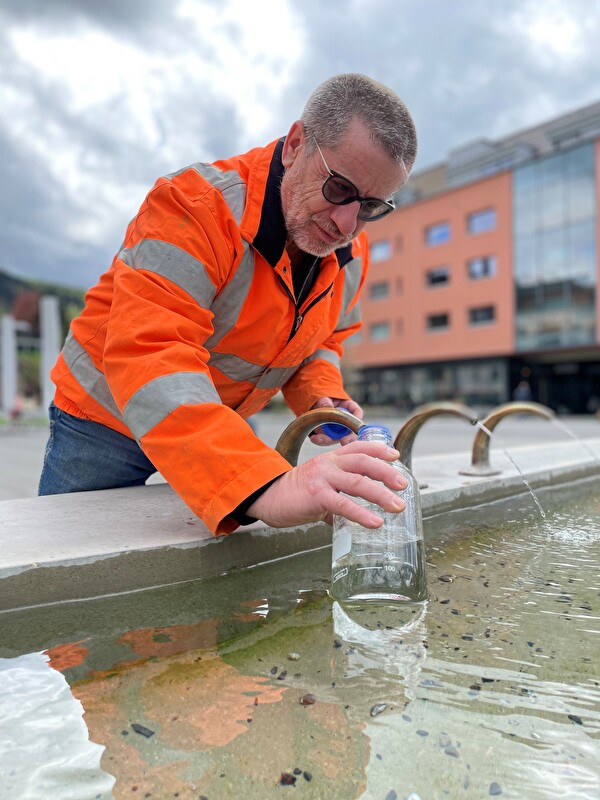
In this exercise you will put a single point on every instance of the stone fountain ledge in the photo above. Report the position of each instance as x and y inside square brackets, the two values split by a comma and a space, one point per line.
[91, 544]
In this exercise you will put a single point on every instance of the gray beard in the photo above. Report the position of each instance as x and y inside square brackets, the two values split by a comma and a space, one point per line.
[310, 244]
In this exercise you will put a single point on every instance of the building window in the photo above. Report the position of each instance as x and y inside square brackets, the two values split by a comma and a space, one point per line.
[437, 276]
[483, 267]
[438, 322]
[399, 327]
[437, 234]
[379, 291]
[381, 250]
[379, 331]
[482, 221]
[482, 315]
[555, 250]
[399, 286]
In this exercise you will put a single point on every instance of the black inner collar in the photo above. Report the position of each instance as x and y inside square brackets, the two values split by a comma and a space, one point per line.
[271, 235]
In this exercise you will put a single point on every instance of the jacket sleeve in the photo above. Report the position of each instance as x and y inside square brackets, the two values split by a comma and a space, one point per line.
[179, 251]
[320, 374]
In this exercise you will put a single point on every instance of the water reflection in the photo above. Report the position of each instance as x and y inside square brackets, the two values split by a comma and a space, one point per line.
[386, 644]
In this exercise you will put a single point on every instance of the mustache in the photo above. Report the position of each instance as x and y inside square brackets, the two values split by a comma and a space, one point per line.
[334, 231]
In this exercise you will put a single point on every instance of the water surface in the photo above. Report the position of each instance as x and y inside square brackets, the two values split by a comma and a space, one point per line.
[224, 688]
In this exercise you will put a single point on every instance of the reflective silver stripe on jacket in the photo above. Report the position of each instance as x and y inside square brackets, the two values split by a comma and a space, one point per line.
[173, 263]
[177, 265]
[151, 403]
[87, 376]
[227, 305]
[238, 369]
[154, 401]
[189, 273]
[352, 275]
[159, 397]
[229, 183]
[324, 355]
[275, 378]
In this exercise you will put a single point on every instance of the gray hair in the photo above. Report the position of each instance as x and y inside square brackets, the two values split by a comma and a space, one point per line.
[342, 98]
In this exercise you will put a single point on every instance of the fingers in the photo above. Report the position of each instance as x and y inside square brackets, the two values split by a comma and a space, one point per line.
[355, 512]
[375, 449]
[317, 436]
[366, 479]
[324, 402]
[358, 475]
[351, 437]
[321, 439]
[326, 484]
[350, 406]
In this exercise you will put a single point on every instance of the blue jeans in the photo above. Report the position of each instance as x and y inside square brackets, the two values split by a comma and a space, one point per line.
[82, 456]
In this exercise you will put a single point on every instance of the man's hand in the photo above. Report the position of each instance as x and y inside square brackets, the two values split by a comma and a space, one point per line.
[313, 490]
[318, 437]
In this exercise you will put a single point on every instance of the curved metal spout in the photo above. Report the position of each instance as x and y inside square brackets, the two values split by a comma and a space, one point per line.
[291, 440]
[480, 457]
[406, 436]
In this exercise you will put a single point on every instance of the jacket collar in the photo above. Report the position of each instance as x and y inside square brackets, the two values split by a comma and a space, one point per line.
[271, 234]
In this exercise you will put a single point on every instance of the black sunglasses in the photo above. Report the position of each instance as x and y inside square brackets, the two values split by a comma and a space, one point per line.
[340, 191]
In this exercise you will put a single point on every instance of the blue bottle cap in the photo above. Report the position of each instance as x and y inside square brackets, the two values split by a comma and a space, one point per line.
[334, 430]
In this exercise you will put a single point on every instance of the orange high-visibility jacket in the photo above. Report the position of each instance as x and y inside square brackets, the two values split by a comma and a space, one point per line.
[195, 327]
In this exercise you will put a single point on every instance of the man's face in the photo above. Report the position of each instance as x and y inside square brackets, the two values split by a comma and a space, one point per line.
[315, 225]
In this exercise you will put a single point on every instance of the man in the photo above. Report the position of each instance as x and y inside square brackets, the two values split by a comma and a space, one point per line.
[235, 280]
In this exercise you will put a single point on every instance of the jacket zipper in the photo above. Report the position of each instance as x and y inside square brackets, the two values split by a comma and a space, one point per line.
[298, 317]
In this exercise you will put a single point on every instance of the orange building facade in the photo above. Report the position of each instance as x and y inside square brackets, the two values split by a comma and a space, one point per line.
[486, 277]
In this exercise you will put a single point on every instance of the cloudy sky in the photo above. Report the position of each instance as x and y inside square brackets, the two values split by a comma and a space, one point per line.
[100, 97]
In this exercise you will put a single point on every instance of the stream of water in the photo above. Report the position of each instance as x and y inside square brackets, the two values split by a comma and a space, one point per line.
[516, 466]
[563, 427]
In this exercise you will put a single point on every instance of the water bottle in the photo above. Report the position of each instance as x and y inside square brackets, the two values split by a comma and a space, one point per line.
[386, 564]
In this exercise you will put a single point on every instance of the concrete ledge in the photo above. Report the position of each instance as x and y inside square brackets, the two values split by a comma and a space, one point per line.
[89, 544]
[69, 547]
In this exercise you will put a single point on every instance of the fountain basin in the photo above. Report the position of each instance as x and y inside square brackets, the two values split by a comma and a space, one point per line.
[69, 547]
[240, 684]
[218, 667]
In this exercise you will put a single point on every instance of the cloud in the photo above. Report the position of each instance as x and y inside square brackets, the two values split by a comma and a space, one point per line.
[133, 18]
[100, 98]
[96, 116]
[466, 69]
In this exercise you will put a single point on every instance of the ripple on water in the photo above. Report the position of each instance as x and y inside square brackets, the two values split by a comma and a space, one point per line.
[527, 670]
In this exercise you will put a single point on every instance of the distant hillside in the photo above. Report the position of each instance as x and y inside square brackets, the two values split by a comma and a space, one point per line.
[18, 296]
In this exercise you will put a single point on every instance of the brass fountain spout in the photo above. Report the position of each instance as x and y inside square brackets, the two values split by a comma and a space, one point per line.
[406, 436]
[291, 440]
[480, 458]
